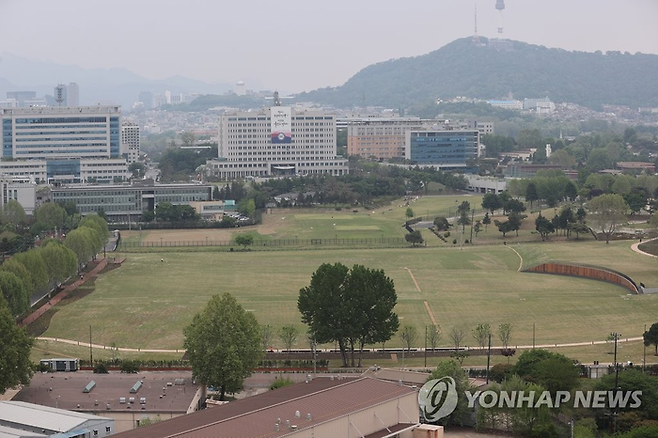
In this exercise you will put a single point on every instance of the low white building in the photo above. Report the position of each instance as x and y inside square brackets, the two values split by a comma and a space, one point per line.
[27, 420]
[22, 191]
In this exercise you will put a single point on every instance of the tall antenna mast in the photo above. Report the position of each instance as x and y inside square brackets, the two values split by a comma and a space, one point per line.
[476, 38]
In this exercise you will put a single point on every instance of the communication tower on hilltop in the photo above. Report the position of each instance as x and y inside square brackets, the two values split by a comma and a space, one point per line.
[500, 6]
[476, 38]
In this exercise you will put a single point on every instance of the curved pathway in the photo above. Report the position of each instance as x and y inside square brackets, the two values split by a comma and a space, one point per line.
[148, 350]
[635, 247]
[520, 258]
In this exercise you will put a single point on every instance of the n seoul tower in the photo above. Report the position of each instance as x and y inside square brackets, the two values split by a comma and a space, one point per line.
[500, 5]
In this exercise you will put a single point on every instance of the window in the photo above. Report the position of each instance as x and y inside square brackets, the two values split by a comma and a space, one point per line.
[95, 432]
[108, 429]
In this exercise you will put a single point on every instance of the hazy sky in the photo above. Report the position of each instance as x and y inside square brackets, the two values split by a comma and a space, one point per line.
[297, 45]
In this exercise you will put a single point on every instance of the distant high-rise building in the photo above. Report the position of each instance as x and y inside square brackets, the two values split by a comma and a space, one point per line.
[73, 94]
[60, 95]
[240, 89]
[130, 141]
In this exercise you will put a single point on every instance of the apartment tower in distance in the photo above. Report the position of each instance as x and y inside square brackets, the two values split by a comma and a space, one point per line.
[130, 141]
[277, 141]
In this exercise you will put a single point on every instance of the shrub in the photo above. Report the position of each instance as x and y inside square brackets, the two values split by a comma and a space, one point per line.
[280, 382]
[129, 367]
[100, 368]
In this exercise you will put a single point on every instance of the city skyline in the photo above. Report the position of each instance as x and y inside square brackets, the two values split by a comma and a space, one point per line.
[298, 46]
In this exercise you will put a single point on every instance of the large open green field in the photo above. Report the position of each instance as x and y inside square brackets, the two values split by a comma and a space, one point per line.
[147, 302]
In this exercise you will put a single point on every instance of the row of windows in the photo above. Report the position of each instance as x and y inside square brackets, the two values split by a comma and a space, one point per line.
[20, 139]
[85, 132]
[50, 120]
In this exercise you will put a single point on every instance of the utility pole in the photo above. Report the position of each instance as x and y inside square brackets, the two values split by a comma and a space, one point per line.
[472, 221]
[488, 358]
[91, 354]
[425, 346]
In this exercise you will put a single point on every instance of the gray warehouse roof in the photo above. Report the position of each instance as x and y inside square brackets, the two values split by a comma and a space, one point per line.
[42, 417]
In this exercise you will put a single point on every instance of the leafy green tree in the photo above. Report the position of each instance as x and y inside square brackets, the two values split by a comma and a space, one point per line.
[441, 223]
[651, 337]
[61, 262]
[94, 221]
[464, 212]
[18, 269]
[244, 240]
[486, 220]
[223, 344]
[80, 242]
[409, 213]
[409, 335]
[247, 207]
[15, 346]
[50, 216]
[504, 227]
[36, 267]
[544, 227]
[481, 334]
[531, 193]
[15, 293]
[606, 212]
[452, 368]
[14, 213]
[634, 380]
[415, 238]
[288, 335]
[477, 228]
[491, 202]
[505, 334]
[266, 336]
[553, 371]
[351, 307]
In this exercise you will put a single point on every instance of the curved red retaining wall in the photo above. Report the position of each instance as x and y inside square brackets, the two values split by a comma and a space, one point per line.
[586, 272]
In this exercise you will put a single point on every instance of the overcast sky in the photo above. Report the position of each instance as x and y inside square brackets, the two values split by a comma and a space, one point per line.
[298, 45]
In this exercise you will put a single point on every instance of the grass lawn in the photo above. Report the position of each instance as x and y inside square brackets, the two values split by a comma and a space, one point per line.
[146, 303]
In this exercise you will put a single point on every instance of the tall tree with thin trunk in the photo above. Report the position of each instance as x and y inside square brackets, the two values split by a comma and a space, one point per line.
[606, 212]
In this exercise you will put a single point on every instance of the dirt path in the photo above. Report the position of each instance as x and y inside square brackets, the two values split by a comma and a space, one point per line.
[64, 293]
[636, 245]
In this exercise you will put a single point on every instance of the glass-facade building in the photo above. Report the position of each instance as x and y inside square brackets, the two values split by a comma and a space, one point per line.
[63, 137]
[443, 148]
[123, 203]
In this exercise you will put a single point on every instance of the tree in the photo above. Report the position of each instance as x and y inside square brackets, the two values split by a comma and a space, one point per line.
[415, 238]
[96, 222]
[15, 346]
[244, 240]
[247, 207]
[606, 212]
[80, 242]
[441, 223]
[61, 262]
[531, 193]
[481, 334]
[486, 220]
[504, 227]
[223, 344]
[477, 228]
[288, 335]
[464, 218]
[491, 202]
[515, 219]
[18, 269]
[352, 307]
[544, 227]
[553, 371]
[409, 335]
[14, 213]
[36, 267]
[266, 336]
[50, 216]
[434, 336]
[451, 368]
[651, 337]
[505, 334]
[409, 213]
[15, 293]
[457, 335]
[634, 380]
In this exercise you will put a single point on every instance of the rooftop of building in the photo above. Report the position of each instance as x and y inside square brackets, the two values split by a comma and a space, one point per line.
[164, 391]
[42, 417]
[47, 110]
[322, 398]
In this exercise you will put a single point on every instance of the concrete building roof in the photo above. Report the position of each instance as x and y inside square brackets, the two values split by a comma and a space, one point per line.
[64, 390]
[8, 432]
[323, 398]
[41, 417]
[407, 377]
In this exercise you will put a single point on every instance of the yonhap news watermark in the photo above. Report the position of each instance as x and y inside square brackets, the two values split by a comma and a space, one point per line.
[438, 398]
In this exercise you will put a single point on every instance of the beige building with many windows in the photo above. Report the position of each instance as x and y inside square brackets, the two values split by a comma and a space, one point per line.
[253, 144]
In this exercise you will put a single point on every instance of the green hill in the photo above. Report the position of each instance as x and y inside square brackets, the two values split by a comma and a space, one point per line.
[485, 71]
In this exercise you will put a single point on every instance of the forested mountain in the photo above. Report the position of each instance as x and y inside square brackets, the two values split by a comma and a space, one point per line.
[487, 71]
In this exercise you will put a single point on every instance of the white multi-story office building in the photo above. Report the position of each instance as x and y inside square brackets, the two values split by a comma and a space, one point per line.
[130, 141]
[73, 94]
[277, 141]
[59, 143]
